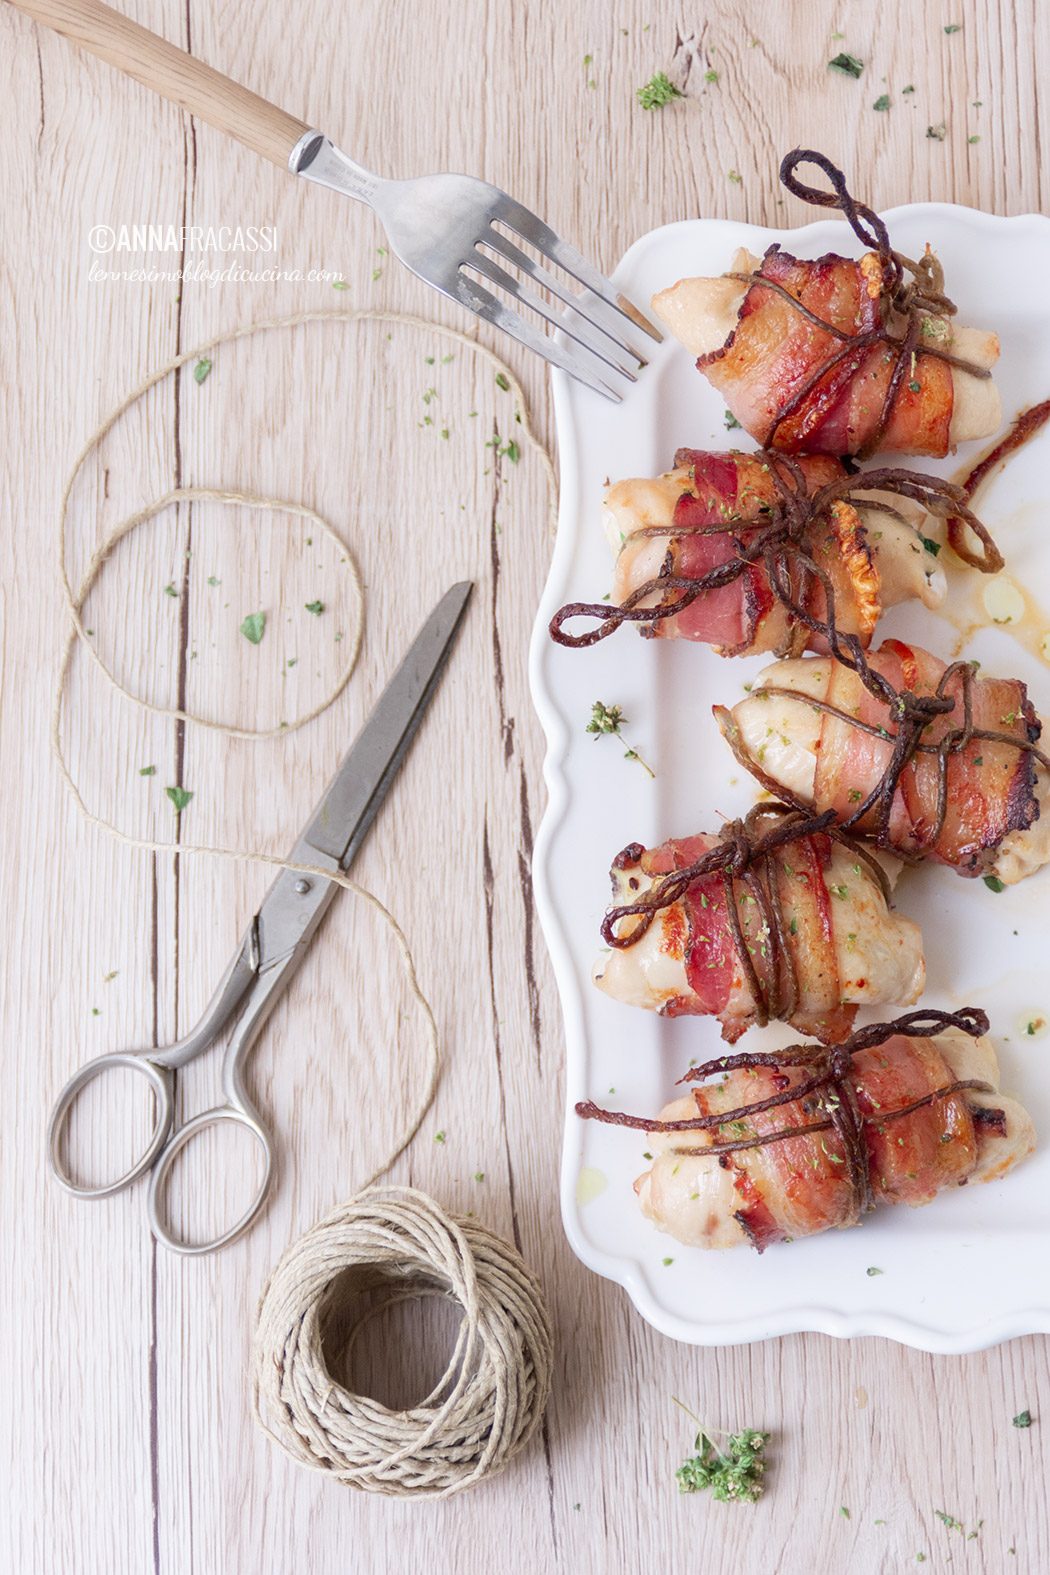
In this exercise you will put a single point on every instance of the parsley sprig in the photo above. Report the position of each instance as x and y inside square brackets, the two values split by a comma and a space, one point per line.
[658, 91]
[610, 719]
[733, 1474]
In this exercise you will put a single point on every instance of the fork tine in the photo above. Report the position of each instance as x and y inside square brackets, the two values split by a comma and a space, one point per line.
[596, 310]
[541, 236]
[583, 332]
[485, 305]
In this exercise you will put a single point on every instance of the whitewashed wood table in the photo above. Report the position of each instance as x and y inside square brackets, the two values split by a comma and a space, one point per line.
[128, 1444]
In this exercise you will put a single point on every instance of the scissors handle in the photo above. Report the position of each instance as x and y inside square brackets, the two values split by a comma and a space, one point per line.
[157, 1067]
[162, 1083]
[241, 1114]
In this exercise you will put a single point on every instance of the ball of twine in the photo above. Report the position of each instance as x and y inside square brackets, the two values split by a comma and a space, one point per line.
[489, 1400]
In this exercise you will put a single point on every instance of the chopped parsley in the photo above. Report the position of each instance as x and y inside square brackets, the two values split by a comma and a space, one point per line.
[667, 1262]
[169, 590]
[711, 75]
[610, 719]
[871, 1273]
[317, 608]
[439, 1137]
[147, 771]
[253, 626]
[201, 370]
[952, 1523]
[1023, 1419]
[180, 797]
[844, 1512]
[994, 883]
[909, 89]
[731, 421]
[509, 450]
[213, 580]
[735, 177]
[953, 27]
[938, 132]
[882, 102]
[973, 139]
[502, 382]
[658, 91]
[931, 546]
[849, 65]
[479, 1175]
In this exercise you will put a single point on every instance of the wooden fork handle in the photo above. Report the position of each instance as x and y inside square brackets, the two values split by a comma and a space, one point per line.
[172, 73]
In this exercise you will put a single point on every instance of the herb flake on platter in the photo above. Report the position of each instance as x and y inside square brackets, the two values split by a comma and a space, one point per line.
[607, 720]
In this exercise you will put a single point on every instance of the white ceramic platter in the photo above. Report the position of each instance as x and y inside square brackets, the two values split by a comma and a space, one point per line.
[974, 1267]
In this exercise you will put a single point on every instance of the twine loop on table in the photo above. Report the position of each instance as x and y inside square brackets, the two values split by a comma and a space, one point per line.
[76, 637]
[488, 1402]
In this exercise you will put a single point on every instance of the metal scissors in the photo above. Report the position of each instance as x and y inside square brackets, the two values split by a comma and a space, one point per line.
[272, 948]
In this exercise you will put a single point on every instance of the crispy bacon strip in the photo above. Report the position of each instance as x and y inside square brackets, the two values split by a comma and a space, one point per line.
[794, 1142]
[958, 816]
[749, 915]
[833, 389]
[766, 552]
[744, 615]
[1026, 424]
[927, 760]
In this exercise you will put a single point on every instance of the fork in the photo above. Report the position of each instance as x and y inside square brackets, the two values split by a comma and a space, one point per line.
[461, 235]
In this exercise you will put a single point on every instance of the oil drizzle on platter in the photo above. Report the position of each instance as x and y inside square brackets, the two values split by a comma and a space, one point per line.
[976, 601]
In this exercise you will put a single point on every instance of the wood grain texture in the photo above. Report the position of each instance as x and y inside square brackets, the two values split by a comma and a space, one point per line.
[188, 82]
[127, 1444]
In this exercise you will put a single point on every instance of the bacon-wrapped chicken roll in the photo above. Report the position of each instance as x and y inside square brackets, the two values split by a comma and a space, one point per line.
[833, 355]
[875, 558]
[796, 1142]
[940, 765]
[760, 551]
[806, 937]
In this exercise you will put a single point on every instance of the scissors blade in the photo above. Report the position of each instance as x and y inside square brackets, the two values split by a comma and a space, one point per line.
[352, 800]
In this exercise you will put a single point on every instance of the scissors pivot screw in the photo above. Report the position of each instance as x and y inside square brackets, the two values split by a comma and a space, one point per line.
[302, 886]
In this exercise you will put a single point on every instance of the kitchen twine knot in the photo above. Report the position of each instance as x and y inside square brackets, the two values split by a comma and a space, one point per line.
[492, 1395]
